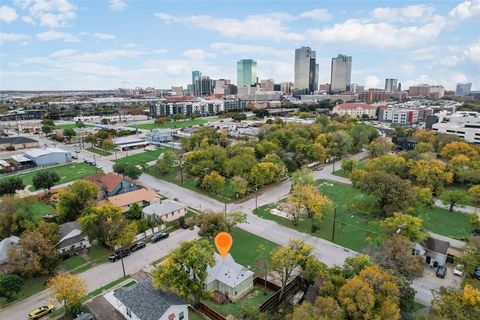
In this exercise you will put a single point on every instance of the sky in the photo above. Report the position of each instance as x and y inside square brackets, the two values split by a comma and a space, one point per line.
[108, 44]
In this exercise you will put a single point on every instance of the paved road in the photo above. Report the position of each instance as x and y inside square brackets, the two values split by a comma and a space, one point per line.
[105, 273]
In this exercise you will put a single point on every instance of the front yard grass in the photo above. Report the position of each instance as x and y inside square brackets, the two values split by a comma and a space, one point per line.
[253, 299]
[146, 156]
[30, 287]
[341, 173]
[67, 173]
[171, 124]
[99, 151]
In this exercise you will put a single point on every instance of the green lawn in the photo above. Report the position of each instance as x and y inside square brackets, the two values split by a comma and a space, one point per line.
[72, 263]
[67, 173]
[171, 124]
[254, 298]
[99, 151]
[38, 209]
[193, 316]
[30, 287]
[451, 224]
[341, 173]
[146, 156]
[77, 264]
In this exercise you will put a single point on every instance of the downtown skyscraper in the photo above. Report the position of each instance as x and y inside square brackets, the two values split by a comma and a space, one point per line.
[306, 71]
[341, 73]
[246, 73]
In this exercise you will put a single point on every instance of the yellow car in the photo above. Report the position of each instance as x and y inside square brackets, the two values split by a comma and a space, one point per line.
[41, 311]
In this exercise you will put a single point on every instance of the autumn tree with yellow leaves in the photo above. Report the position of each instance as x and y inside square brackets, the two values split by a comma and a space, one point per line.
[68, 290]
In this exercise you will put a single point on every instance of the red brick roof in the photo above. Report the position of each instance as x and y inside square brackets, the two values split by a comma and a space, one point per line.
[351, 106]
[107, 181]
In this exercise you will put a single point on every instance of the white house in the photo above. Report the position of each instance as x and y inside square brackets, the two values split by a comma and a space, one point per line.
[165, 210]
[144, 302]
[71, 238]
[229, 278]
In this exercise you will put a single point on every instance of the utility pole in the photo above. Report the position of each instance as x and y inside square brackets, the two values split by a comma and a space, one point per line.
[334, 217]
[123, 265]
[256, 199]
[225, 206]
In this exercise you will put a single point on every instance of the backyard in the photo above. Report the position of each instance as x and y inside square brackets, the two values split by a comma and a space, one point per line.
[170, 124]
[67, 173]
[144, 157]
[354, 229]
[38, 209]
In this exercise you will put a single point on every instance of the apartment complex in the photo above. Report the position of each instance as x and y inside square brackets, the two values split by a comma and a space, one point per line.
[355, 110]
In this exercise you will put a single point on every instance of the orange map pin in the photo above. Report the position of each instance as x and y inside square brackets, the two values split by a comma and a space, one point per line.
[223, 242]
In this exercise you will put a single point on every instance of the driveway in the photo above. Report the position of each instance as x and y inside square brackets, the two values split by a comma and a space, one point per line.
[106, 273]
[429, 285]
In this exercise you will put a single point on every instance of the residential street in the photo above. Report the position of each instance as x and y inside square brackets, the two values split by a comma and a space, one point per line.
[105, 273]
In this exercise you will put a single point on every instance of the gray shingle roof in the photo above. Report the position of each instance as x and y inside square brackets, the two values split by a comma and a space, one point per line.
[16, 140]
[147, 302]
[162, 208]
[66, 228]
[437, 245]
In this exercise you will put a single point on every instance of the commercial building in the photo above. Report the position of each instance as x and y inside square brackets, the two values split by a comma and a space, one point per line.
[406, 117]
[426, 91]
[48, 156]
[157, 136]
[464, 124]
[188, 106]
[355, 110]
[391, 85]
[129, 142]
[374, 95]
[306, 69]
[204, 86]
[463, 89]
[341, 73]
[286, 87]
[246, 73]
[332, 97]
[18, 115]
[15, 143]
[267, 85]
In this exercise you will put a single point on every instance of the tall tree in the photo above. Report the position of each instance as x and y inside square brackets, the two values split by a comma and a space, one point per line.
[239, 186]
[132, 172]
[185, 269]
[45, 179]
[68, 290]
[474, 195]
[457, 148]
[11, 185]
[210, 223]
[166, 163]
[457, 304]
[233, 219]
[380, 146]
[69, 133]
[424, 136]
[72, 201]
[430, 173]
[454, 198]
[15, 215]
[340, 144]
[405, 225]
[10, 286]
[348, 165]
[213, 182]
[303, 176]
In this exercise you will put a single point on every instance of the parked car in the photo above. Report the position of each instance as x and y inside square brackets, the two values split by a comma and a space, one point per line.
[87, 161]
[137, 246]
[159, 236]
[74, 157]
[118, 255]
[441, 272]
[476, 273]
[99, 166]
[41, 311]
[84, 316]
[458, 270]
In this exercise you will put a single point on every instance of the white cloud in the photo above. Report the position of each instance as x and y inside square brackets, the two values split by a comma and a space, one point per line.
[12, 37]
[472, 53]
[449, 61]
[116, 5]
[405, 14]
[48, 13]
[63, 53]
[198, 54]
[377, 35]
[7, 14]
[229, 47]
[466, 10]
[56, 35]
[269, 26]
[372, 82]
[316, 14]
[104, 36]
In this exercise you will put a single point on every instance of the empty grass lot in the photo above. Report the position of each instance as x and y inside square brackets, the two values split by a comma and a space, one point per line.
[146, 157]
[99, 151]
[456, 225]
[171, 124]
[67, 173]
[30, 287]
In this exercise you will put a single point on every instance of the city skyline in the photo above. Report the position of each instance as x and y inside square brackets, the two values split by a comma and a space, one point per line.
[61, 44]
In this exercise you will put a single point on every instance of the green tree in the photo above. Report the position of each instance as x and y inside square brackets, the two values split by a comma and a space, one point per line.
[126, 235]
[213, 182]
[132, 172]
[360, 134]
[10, 286]
[233, 219]
[119, 168]
[391, 192]
[166, 163]
[134, 212]
[45, 179]
[303, 176]
[185, 270]
[11, 185]
[266, 172]
[380, 146]
[457, 304]
[72, 201]
[454, 198]
[405, 225]
[474, 195]
[69, 133]
[237, 117]
[16, 215]
[340, 144]
[348, 165]
[210, 223]
[79, 124]
[239, 185]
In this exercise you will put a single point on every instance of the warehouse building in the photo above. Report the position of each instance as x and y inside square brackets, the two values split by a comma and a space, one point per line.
[48, 156]
[16, 143]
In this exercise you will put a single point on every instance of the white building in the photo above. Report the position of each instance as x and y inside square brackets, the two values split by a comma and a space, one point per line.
[157, 136]
[48, 156]
[463, 124]
[405, 117]
[71, 238]
[165, 210]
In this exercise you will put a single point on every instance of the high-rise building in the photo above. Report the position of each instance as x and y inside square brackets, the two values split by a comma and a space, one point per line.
[306, 69]
[267, 85]
[246, 73]
[391, 85]
[195, 76]
[463, 89]
[204, 86]
[341, 73]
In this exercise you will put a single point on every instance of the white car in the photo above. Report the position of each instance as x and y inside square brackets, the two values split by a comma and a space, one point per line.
[99, 166]
[458, 270]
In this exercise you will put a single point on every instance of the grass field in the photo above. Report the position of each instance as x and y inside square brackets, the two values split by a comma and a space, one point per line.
[30, 287]
[355, 230]
[341, 173]
[254, 299]
[38, 209]
[99, 151]
[77, 264]
[146, 156]
[67, 173]
[171, 124]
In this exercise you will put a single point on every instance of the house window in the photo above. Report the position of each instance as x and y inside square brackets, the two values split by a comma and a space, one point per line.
[181, 316]
[129, 313]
